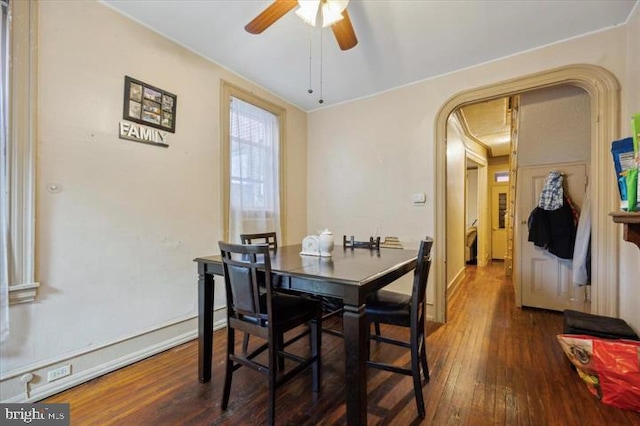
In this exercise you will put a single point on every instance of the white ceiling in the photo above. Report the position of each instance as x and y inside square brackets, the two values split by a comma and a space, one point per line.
[399, 42]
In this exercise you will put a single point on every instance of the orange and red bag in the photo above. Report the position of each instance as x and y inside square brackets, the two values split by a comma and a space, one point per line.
[610, 368]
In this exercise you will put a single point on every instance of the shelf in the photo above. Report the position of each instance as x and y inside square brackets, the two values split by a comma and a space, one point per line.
[631, 222]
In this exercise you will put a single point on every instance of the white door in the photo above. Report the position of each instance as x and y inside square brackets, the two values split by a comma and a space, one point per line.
[546, 280]
[498, 221]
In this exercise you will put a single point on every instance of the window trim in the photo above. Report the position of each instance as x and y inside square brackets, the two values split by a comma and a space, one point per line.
[21, 150]
[229, 90]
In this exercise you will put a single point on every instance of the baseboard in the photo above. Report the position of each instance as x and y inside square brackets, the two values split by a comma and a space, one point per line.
[454, 285]
[431, 312]
[97, 361]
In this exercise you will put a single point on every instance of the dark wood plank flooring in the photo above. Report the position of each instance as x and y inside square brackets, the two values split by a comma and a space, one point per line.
[491, 364]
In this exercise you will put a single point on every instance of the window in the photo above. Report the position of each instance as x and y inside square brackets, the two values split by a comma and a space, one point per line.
[502, 209]
[254, 160]
[17, 148]
[253, 173]
[501, 177]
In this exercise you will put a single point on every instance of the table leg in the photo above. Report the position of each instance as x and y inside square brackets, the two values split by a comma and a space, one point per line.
[205, 323]
[355, 335]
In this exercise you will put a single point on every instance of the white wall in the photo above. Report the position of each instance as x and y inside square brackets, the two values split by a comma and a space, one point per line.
[456, 180]
[630, 253]
[115, 246]
[554, 126]
[365, 170]
[383, 145]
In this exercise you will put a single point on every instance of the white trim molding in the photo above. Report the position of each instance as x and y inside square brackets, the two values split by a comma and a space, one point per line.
[22, 151]
[22, 293]
[604, 91]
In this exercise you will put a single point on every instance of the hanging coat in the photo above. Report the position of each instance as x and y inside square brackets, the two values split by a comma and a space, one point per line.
[552, 195]
[553, 230]
[582, 250]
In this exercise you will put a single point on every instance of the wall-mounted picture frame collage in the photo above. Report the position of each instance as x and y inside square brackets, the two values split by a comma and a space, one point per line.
[148, 105]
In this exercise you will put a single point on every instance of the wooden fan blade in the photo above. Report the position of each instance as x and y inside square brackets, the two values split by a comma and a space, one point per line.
[343, 30]
[271, 14]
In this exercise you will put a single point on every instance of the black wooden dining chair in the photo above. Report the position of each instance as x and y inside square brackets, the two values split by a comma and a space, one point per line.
[265, 314]
[269, 238]
[372, 244]
[388, 307]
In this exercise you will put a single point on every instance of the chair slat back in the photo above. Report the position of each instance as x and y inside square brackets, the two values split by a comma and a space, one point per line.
[242, 265]
[421, 275]
[269, 238]
[372, 244]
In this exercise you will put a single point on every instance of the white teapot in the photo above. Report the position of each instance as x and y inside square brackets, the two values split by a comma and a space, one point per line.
[326, 243]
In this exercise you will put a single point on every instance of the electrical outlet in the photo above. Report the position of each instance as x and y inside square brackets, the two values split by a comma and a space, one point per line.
[59, 373]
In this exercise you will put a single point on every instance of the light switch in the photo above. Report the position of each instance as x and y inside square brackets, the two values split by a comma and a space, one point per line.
[419, 198]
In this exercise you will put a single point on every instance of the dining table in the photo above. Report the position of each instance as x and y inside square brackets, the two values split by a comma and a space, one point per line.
[348, 274]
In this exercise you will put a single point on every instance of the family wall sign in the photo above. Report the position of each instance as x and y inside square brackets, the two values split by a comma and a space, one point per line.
[149, 113]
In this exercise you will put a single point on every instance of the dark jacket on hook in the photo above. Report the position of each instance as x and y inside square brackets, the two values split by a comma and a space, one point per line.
[554, 230]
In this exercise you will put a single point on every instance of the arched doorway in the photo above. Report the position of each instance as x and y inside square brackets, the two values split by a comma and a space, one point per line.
[604, 91]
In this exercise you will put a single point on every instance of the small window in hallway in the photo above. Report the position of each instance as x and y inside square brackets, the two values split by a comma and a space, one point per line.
[501, 177]
[502, 209]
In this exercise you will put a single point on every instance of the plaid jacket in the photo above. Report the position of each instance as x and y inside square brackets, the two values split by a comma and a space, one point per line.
[551, 196]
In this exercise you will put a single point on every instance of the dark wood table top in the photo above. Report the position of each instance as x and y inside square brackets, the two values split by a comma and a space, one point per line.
[347, 266]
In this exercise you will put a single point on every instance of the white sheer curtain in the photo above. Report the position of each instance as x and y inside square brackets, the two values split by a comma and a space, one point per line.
[254, 196]
[4, 178]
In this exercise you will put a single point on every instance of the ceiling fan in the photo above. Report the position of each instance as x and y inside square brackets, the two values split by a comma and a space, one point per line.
[322, 12]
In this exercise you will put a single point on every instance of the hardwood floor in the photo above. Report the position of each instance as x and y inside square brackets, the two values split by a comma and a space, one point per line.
[491, 364]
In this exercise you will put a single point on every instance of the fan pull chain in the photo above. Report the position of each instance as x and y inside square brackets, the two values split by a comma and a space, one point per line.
[321, 101]
[310, 31]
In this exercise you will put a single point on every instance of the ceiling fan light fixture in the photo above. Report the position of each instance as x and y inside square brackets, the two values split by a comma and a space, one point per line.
[308, 11]
[330, 11]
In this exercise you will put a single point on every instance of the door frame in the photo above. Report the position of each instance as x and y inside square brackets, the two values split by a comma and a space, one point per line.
[484, 229]
[503, 187]
[604, 91]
